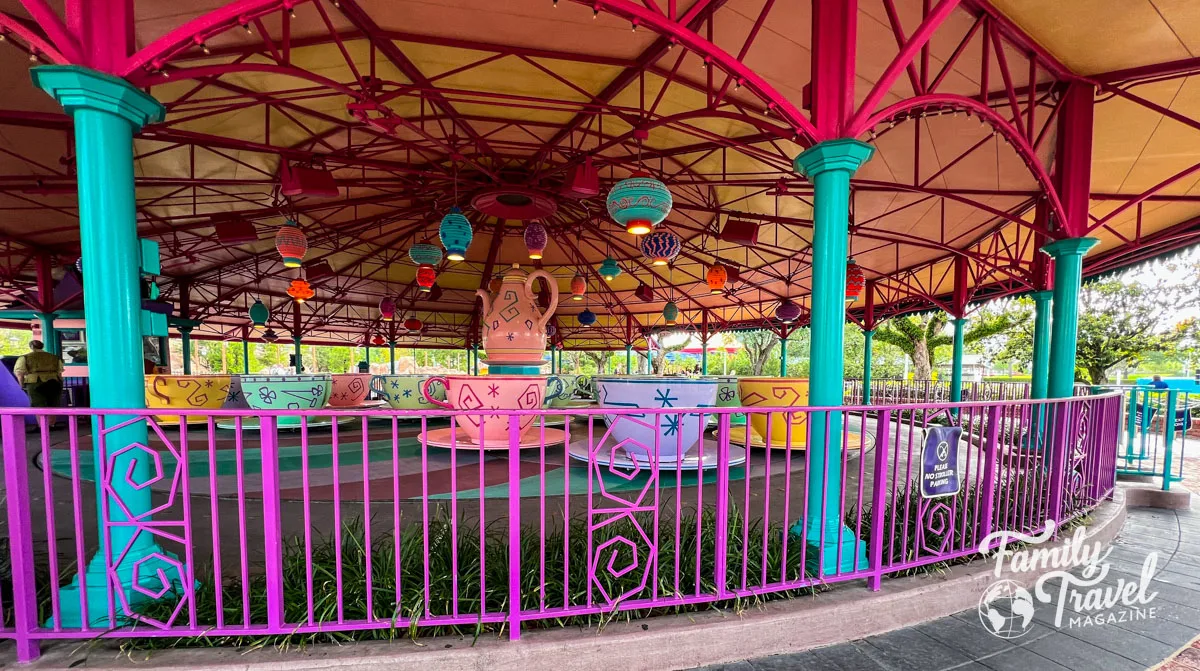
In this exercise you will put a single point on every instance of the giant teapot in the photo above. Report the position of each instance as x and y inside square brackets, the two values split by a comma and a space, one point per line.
[514, 331]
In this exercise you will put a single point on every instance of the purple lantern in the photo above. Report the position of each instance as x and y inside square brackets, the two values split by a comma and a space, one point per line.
[787, 312]
[535, 239]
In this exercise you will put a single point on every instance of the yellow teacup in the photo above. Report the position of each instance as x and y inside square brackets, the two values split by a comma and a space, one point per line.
[776, 392]
[186, 392]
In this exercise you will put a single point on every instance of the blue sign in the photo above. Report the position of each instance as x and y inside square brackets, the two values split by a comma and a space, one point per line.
[939, 462]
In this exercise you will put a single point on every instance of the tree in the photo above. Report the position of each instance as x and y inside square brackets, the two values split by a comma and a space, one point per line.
[921, 337]
[1122, 321]
[599, 361]
[758, 346]
[661, 351]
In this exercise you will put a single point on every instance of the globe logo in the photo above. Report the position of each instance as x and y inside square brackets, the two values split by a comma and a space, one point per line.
[1006, 609]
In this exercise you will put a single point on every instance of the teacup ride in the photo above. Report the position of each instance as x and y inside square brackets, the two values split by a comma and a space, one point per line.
[350, 392]
[637, 440]
[186, 392]
[786, 428]
[477, 428]
[560, 394]
[286, 392]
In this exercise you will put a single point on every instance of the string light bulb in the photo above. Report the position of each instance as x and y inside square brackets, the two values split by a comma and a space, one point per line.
[595, 12]
[33, 56]
[246, 27]
[204, 48]
[292, 12]
[3, 35]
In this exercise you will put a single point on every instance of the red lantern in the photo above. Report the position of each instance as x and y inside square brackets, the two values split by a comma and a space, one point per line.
[387, 309]
[426, 276]
[854, 280]
[413, 324]
[377, 341]
[716, 278]
[578, 287]
[300, 291]
[291, 244]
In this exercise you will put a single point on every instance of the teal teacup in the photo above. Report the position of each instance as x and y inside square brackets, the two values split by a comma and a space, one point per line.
[403, 392]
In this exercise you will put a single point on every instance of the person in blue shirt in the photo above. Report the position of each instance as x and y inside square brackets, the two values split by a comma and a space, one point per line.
[1158, 383]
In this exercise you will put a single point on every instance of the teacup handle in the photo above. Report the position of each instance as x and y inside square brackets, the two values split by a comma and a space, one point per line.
[377, 386]
[425, 390]
[559, 389]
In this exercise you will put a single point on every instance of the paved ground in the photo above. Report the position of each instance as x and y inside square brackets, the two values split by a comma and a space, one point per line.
[962, 642]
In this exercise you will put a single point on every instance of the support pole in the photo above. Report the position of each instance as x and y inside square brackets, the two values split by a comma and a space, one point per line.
[868, 339]
[783, 341]
[1040, 378]
[299, 354]
[475, 359]
[45, 284]
[629, 359]
[392, 357]
[1068, 273]
[185, 336]
[704, 342]
[956, 363]
[829, 166]
[106, 111]
[245, 351]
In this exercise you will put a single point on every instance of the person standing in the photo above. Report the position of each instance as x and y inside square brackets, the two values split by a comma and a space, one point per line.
[40, 375]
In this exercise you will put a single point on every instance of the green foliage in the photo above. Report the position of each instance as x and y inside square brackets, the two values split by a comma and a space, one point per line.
[923, 337]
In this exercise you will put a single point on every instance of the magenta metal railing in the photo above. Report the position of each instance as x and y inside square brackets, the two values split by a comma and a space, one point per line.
[894, 391]
[359, 525]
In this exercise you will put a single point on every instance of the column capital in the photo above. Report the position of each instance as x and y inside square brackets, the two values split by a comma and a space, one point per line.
[76, 87]
[1042, 296]
[1070, 247]
[844, 154]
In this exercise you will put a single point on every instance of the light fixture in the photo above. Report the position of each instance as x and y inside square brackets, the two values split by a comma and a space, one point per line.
[535, 239]
[270, 336]
[456, 234]
[639, 203]
[609, 269]
[426, 276]
[259, 314]
[716, 278]
[300, 290]
[787, 312]
[413, 325]
[578, 287]
[587, 317]
[387, 309]
[671, 313]
[291, 244]
[661, 247]
[854, 280]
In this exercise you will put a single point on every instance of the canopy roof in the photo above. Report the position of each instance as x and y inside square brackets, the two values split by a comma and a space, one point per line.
[416, 107]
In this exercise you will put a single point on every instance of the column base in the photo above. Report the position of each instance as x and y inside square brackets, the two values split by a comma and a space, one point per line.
[839, 552]
[145, 575]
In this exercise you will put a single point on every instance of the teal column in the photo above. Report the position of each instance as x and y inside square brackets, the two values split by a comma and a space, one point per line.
[185, 335]
[368, 348]
[392, 357]
[1068, 272]
[704, 358]
[299, 355]
[106, 112]
[553, 369]
[49, 335]
[956, 363]
[829, 166]
[629, 359]
[475, 359]
[246, 356]
[868, 340]
[783, 356]
[1040, 378]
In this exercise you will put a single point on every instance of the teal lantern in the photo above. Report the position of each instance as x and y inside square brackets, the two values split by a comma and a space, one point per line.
[609, 269]
[425, 254]
[639, 203]
[587, 317]
[456, 234]
[259, 314]
[671, 313]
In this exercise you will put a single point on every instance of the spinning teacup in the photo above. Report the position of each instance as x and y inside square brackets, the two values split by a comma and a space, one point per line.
[776, 392]
[491, 392]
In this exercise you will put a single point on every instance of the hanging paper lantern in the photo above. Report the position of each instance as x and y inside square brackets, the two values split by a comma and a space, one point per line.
[550, 330]
[300, 290]
[259, 314]
[413, 325]
[787, 312]
[378, 341]
[609, 269]
[535, 239]
[639, 203]
[854, 280]
[661, 247]
[671, 313]
[291, 244]
[387, 309]
[270, 335]
[424, 253]
[716, 278]
[456, 234]
[426, 276]
[587, 317]
[578, 287]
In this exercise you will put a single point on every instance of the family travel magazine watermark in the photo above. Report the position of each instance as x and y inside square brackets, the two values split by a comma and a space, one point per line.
[1074, 584]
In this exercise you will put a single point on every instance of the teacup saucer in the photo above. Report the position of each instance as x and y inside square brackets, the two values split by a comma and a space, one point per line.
[690, 462]
[441, 438]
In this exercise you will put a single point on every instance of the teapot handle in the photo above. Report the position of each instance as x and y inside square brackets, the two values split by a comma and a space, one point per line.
[545, 318]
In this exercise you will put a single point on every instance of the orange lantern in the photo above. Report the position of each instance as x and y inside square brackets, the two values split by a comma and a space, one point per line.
[578, 288]
[300, 291]
[413, 324]
[717, 275]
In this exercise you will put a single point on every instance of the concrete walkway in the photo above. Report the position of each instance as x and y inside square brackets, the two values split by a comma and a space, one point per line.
[962, 642]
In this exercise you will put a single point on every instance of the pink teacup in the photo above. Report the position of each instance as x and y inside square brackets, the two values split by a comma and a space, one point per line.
[349, 390]
[490, 392]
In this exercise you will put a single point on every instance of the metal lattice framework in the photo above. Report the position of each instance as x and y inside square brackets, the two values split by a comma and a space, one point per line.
[414, 110]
